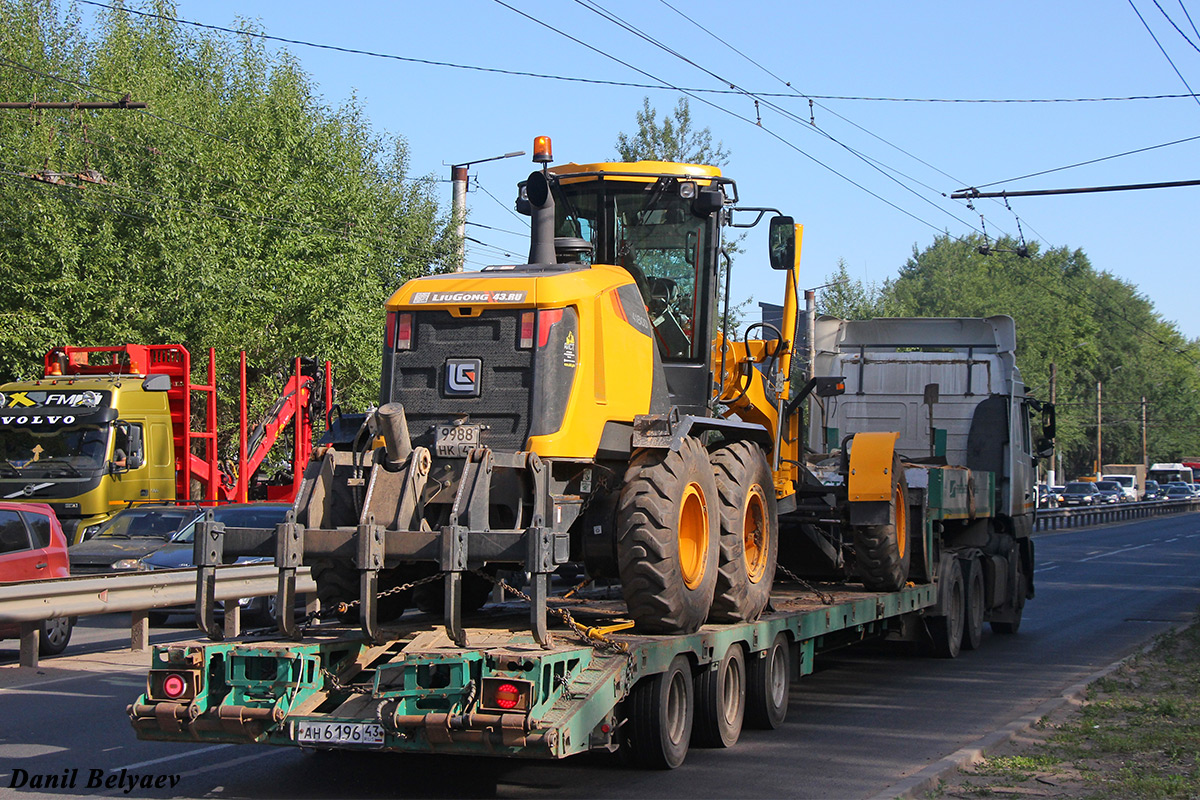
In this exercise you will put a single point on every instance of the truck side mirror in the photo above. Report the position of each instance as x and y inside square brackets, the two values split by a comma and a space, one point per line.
[137, 455]
[781, 239]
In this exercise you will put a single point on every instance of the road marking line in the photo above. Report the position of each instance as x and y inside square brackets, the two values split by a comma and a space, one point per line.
[1044, 569]
[1115, 552]
[188, 754]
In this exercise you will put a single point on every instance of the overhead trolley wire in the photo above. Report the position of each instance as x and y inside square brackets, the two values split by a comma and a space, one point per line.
[1162, 49]
[624, 84]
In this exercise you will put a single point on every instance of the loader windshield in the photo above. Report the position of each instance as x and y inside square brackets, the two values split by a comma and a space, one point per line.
[649, 229]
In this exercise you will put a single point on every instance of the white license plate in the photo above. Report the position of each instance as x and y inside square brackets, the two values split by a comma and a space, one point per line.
[306, 732]
[456, 441]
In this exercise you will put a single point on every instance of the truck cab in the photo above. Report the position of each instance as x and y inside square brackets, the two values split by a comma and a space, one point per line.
[91, 436]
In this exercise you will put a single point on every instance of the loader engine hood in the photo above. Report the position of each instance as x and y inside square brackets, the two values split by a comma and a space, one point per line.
[513, 350]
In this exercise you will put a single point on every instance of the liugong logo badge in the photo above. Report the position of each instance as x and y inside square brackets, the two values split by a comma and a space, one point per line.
[462, 377]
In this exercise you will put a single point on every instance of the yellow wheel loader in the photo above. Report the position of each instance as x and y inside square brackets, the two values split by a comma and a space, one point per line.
[588, 406]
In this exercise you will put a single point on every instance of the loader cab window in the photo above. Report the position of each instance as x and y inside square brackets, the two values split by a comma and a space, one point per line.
[650, 229]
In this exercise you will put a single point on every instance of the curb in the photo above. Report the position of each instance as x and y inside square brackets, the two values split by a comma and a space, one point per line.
[926, 780]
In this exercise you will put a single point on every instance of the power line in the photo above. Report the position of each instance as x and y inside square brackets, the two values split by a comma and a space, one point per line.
[1167, 16]
[1161, 48]
[1090, 161]
[972, 193]
[628, 84]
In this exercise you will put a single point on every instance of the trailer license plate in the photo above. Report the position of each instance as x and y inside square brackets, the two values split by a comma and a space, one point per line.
[456, 441]
[306, 732]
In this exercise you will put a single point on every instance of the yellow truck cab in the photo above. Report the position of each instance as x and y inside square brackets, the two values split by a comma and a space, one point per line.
[95, 434]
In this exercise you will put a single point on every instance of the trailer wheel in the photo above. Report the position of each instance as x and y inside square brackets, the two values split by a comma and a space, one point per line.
[660, 717]
[667, 538]
[884, 551]
[749, 533]
[976, 600]
[721, 701]
[768, 682]
[947, 631]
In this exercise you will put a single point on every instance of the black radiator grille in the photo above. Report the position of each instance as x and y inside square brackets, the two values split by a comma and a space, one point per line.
[505, 379]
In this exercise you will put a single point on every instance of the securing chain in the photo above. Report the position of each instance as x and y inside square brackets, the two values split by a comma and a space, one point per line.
[824, 597]
[589, 636]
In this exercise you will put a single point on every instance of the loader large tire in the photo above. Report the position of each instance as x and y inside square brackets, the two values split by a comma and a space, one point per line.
[668, 532]
[749, 533]
[336, 583]
[884, 551]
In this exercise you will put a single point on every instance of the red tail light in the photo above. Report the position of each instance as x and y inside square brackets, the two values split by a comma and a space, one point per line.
[507, 696]
[174, 686]
[527, 320]
[404, 331]
[546, 320]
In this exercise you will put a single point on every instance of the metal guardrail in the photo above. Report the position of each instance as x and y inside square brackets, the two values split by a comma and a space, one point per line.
[1051, 519]
[31, 602]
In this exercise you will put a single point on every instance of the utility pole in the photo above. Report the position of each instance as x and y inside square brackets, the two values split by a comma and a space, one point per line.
[810, 329]
[458, 205]
[1099, 428]
[1145, 462]
[1053, 399]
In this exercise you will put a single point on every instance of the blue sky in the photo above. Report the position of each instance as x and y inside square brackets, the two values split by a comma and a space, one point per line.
[929, 50]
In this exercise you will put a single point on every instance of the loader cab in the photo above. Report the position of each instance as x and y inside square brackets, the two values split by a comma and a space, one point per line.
[661, 223]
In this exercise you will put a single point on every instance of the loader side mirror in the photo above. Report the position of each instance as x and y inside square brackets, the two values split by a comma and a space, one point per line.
[781, 239]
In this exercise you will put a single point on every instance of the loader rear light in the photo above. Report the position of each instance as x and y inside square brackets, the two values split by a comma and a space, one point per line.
[404, 331]
[542, 150]
[506, 694]
[527, 323]
[546, 320]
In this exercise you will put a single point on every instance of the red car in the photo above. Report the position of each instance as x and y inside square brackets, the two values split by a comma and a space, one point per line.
[33, 548]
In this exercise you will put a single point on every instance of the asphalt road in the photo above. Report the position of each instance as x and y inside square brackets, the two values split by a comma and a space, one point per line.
[863, 720]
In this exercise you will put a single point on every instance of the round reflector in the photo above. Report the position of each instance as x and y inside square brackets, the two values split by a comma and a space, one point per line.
[507, 695]
[174, 686]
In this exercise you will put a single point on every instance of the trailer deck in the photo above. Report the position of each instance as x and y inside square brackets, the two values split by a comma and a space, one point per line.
[503, 694]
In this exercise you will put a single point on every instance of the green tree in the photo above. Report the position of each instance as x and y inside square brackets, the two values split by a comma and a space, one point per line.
[849, 298]
[674, 139]
[240, 212]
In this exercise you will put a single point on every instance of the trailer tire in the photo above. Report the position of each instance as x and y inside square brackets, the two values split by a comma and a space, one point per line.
[947, 630]
[661, 713]
[884, 551]
[668, 533]
[768, 684]
[976, 600]
[721, 701]
[749, 540]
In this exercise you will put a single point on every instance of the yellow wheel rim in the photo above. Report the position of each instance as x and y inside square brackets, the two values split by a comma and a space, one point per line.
[693, 535]
[754, 534]
[901, 521]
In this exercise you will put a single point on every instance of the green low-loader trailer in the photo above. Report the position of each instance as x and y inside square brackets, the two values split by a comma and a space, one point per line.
[598, 686]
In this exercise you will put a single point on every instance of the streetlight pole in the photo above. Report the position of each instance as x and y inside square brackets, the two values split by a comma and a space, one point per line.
[459, 178]
[1099, 428]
